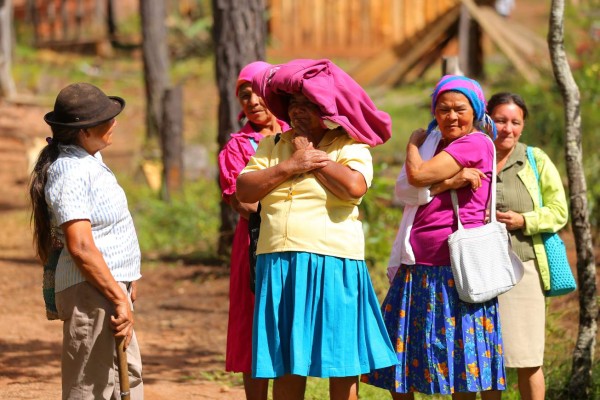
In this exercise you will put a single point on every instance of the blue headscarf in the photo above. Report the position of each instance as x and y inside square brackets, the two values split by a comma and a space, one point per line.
[472, 90]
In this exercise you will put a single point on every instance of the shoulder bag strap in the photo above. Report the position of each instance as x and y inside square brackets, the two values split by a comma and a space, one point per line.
[533, 163]
[492, 202]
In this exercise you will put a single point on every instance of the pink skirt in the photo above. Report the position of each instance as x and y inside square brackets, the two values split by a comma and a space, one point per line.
[238, 356]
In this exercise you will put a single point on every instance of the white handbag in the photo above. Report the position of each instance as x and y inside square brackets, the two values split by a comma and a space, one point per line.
[483, 262]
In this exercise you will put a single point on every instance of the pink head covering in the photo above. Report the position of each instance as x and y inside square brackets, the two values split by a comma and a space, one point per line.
[248, 72]
[340, 99]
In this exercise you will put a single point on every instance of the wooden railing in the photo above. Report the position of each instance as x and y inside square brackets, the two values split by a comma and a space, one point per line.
[65, 22]
[357, 28]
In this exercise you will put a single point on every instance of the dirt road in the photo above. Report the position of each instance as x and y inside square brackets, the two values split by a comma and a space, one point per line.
[181, 320]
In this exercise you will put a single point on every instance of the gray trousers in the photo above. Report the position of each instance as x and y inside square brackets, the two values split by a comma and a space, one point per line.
[89, 357]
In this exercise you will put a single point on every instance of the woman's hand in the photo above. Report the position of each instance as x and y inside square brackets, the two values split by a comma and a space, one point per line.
[511, 219]
[133, 291]
[244, 209]
[301, 142]
[418, 137]
[122, 322]
[466, 176]
[306, 158]
[253, 186]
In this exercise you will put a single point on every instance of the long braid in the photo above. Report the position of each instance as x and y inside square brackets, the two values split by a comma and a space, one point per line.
[40, 216]
[43, 239]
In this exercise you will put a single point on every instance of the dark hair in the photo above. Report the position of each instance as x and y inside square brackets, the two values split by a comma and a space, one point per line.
[501, 98]
[43, 238]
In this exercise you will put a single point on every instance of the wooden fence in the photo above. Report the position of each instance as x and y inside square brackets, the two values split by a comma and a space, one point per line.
[357, 28]
[65, 22]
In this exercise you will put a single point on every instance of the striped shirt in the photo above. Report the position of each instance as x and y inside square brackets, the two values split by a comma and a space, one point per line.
[81, 187]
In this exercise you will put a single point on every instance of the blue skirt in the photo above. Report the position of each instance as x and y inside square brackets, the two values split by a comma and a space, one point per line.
[443, 344]
[316, 315]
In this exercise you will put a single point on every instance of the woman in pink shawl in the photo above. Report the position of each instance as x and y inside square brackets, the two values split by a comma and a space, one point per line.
[232, 159]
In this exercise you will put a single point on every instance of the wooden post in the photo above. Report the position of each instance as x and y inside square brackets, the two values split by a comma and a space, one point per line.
[7, 85]
[469, 45]
[172, 141]
[450, 66]
[528, 73]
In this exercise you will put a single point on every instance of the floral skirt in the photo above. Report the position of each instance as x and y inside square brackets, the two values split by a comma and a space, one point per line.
[316, 315]
[443, 344]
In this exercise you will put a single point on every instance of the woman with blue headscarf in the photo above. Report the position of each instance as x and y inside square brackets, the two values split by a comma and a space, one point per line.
[443, 344]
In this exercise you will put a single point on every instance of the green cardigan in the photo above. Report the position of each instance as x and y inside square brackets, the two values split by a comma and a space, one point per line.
[553, 215]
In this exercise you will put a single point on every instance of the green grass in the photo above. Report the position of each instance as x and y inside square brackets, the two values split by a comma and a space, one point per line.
[188, 224]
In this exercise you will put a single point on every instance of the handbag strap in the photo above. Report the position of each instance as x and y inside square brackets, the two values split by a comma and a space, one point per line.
[492, 202]
[533, 163]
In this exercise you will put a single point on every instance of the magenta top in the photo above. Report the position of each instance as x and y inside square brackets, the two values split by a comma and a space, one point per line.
[236, 154]
[435, 220]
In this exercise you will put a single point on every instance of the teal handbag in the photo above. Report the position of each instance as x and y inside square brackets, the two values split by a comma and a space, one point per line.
[562, 280]
[48, 284]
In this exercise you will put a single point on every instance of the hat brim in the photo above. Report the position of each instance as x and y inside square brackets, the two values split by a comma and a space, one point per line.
[117, 105]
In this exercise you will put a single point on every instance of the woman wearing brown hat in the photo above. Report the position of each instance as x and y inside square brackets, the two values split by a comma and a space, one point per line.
[77, 202]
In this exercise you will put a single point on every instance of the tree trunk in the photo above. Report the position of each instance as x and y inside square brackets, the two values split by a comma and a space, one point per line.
[156, 63]
[580, 384]
[239, 33]
[7, 85]
[172, 141]
[111, 23]
[469, 45]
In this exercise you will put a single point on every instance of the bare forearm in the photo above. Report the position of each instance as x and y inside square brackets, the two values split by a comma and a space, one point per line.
[342, 181]
[253, 186]
[93, 267]
[244, 209]
[440, 187]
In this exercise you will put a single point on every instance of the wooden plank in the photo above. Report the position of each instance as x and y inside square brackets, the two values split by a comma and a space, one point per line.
[520, 64]
[420, 45]
[409, 18]
[341, 25]
[275, 19]
[285, 35]
[354, 22]
[388, 66]
[319, 20]
[419, 10]
[386, 22]
[364, 22]
[430, 58]
[526, 43]
[397, 27]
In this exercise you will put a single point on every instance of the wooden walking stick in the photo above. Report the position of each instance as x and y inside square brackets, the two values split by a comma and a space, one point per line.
[123, 368]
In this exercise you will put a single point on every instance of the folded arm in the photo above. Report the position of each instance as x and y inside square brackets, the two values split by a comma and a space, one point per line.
[465, 177]
[425, 173]
[253, 186]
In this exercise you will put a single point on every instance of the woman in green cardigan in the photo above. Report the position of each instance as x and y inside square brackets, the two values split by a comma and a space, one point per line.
[523, 309]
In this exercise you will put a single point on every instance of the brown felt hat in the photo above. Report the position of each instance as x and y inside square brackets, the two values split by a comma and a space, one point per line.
[82, 105]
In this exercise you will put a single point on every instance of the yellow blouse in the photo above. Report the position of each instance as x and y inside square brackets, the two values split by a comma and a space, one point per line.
[301, 214]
